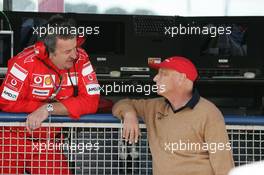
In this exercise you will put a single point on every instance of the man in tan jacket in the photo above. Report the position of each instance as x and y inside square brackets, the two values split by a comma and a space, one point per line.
[186, 133]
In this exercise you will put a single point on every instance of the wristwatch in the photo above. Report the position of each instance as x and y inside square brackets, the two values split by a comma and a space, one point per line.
[50, 108]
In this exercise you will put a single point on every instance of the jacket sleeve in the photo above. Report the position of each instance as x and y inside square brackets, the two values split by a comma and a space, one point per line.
[14, 88]
[88, 92]
[216, 137]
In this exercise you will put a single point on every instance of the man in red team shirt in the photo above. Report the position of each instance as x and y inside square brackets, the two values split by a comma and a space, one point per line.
[53, 77]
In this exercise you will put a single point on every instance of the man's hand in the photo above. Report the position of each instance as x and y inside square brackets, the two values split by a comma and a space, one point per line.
[131, 127]
[35, 119]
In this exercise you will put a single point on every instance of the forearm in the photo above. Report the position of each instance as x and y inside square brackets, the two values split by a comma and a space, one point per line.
[80, 105]
[122, 108]
[128, 114]
[59, 109]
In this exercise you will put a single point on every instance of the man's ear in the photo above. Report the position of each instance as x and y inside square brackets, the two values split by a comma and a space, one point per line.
[51, 55]
[182, 78]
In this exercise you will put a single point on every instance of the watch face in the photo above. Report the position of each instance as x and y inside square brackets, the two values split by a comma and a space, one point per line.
[49, 107]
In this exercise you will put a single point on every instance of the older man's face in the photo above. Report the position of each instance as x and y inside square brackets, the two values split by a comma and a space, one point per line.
[65, 53]
[166, 80]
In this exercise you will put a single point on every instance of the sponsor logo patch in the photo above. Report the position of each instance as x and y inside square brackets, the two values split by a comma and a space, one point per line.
[93, 89]
[38, 80]
[44, 81]
[48, 81]
[19, 72]
[87, 69]
[66, 79]
[73, 79]
[90, 79]
[13, 83]
[9, 94]
[40, 92]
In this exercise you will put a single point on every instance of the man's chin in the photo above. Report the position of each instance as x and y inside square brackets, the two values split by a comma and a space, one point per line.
[160, 93]
[68, 65]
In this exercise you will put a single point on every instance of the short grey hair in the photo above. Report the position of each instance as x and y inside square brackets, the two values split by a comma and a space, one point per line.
[58, 22]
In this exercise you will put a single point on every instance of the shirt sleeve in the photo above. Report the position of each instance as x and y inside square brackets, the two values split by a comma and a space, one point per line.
[140, 107]
[219, 147]
[88, 93]
[14, 88]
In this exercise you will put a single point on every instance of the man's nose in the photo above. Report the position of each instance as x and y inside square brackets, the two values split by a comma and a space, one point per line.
[155, 79]
[74, 54]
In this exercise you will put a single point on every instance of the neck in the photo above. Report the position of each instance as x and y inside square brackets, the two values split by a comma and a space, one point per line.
[178, 100]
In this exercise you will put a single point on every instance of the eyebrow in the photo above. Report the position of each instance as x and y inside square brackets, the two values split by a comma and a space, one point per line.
[69, 49]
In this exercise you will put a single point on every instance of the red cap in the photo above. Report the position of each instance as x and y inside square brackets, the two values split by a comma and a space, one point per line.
[180, 64]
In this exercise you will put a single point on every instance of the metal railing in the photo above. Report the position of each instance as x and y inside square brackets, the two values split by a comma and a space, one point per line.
[93, 145]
